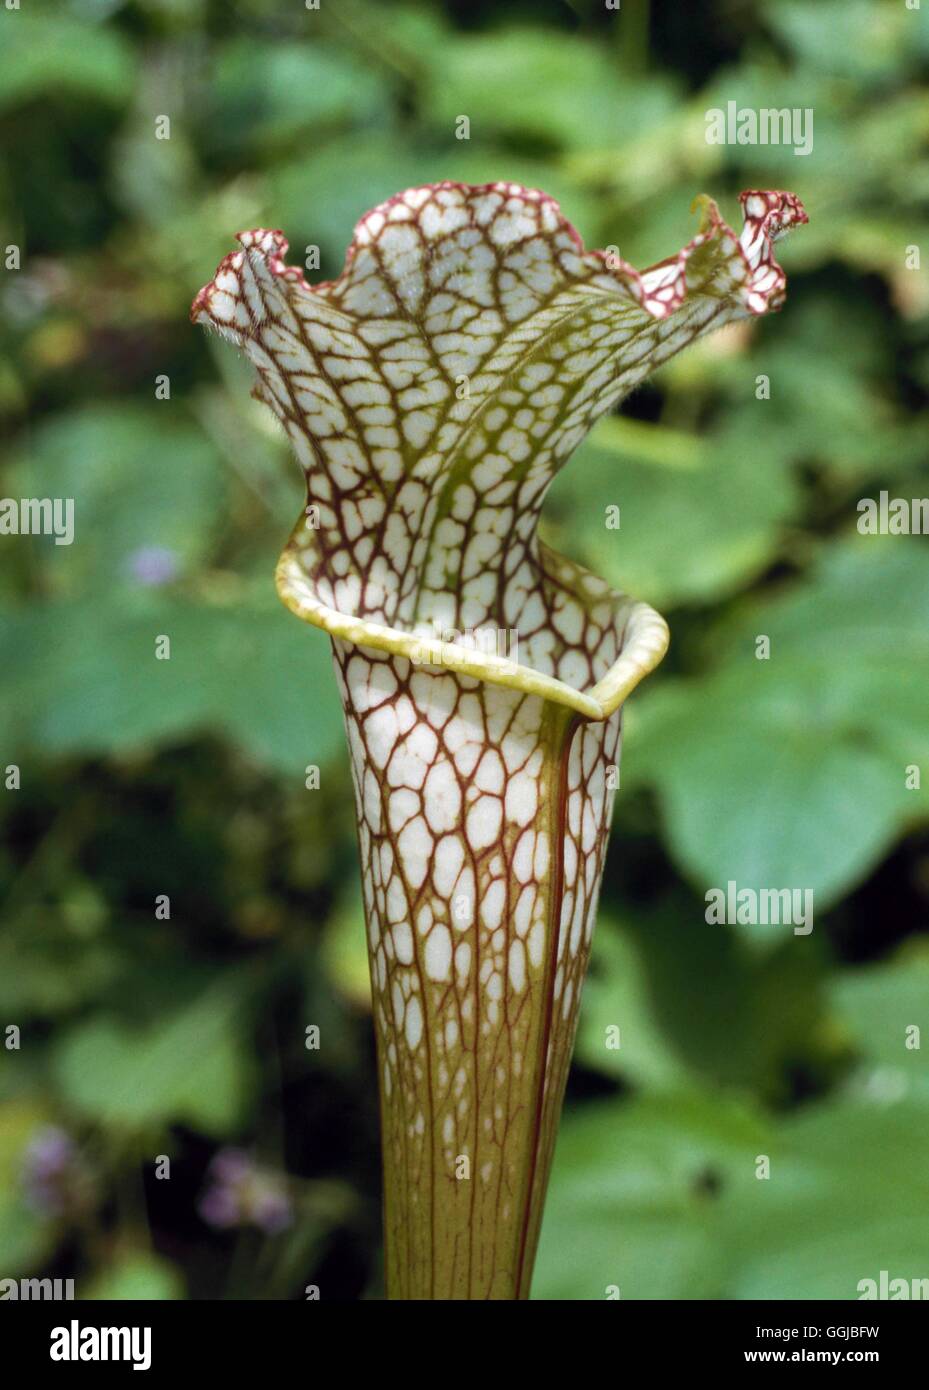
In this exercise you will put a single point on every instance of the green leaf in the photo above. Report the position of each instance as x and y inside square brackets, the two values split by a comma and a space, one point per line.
[137, 1276]
[825, 408]
[86, 679]
[140, 477]
[769, 804]
[264, 94]
[541, 84]
[846, 1198]
[754, 1014]
[51, 55]
[879, 1007]
[191, 1067]
[632, 1200]
[662, 1197]
[791, 772]
[846, 38]
[48, 968]
[616, 995]
[720, 513]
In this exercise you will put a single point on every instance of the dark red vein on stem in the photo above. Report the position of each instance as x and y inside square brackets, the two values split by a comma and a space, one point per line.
[555, 908]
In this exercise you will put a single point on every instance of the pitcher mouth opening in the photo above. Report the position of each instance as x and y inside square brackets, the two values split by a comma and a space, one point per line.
[644, 642]
[540, 309]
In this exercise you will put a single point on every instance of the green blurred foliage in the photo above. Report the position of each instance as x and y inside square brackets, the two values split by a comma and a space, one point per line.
[183, 1036]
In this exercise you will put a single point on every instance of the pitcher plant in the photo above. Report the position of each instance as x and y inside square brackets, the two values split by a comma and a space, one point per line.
[431, 393]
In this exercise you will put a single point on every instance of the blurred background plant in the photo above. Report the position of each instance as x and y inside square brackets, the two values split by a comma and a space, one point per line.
[167, 1127]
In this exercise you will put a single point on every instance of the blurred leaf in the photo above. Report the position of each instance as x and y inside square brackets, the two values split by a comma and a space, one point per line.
[47, 55]
[616, 995]
[753, 1017]
[790, 772]
[824, 407]
[50, 972]
[633, 1200]
[686, 533]
[846, 38]
[541, 84]
[264, 94]
[771, 804]
[661, 1198]
[135, 1275]
[847, 1197]
[879, 1005]
[142, 478]
[154, 178]
[191, 1067]
[86, 678]
[648, 443]
[345, 950]
[765, 84]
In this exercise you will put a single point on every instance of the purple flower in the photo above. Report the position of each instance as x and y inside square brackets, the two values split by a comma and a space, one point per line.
[272, 1210]
[153, 565]
[54, 1177]
[241, 1193]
